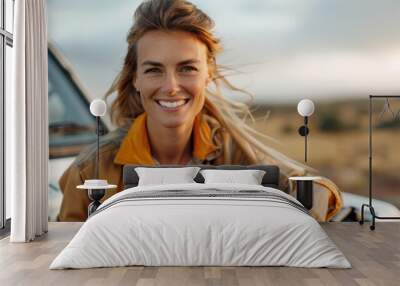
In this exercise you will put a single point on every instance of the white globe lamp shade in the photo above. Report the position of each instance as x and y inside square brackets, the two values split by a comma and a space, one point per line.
[305, 107]
[98, 107]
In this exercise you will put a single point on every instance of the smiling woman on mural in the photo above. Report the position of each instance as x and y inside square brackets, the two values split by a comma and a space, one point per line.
[170, 110]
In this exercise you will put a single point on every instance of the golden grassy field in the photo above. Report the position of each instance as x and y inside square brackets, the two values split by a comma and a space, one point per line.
[341, 152]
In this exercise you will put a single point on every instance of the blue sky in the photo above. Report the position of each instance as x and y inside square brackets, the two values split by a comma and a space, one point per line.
[283, 50]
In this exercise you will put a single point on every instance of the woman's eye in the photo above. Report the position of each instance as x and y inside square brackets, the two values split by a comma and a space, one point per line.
[188, 69]
[152, 70]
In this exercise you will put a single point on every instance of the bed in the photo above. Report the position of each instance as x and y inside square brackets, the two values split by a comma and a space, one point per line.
[201, 224]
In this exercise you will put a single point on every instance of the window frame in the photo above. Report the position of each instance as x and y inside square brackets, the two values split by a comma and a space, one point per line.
[6, 39]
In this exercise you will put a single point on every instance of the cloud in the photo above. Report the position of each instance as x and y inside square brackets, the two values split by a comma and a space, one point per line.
[287, 48]
[322, 76]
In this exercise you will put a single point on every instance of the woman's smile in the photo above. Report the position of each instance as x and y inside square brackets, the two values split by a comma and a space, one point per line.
[172, 105]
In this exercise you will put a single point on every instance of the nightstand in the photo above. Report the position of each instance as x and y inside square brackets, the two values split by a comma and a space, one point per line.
[304, 190]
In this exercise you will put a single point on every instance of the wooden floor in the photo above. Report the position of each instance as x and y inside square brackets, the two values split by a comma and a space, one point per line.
[374, 255]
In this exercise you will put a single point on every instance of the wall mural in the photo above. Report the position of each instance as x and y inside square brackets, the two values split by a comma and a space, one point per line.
[278, 51]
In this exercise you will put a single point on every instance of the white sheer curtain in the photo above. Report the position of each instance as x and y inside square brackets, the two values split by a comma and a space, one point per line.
[27, 123]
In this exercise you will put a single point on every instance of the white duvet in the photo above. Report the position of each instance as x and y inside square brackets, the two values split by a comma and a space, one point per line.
[184, 230]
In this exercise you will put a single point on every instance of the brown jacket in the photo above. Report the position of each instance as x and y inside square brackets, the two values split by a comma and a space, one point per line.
[211, 145]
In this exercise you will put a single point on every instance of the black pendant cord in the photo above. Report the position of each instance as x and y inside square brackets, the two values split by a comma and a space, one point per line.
[305, 138]
[369, 205]
[303, 131]
[98, 147]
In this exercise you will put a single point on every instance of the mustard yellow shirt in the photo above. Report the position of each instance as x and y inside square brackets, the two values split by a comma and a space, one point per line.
[135, 148]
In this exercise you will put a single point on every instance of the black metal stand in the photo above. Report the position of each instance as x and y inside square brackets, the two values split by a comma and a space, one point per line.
[95, 195]
[96, 188]
[369, 205]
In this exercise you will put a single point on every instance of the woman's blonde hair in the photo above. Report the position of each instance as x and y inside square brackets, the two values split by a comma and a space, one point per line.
[184, 16]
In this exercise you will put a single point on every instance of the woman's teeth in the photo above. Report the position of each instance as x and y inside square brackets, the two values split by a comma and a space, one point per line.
[171, 104]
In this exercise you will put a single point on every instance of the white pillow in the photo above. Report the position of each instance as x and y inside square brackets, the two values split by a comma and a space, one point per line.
[162, 176]
[248, 177]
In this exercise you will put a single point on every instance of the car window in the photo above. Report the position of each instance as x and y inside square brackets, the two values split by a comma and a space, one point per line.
[71, 125]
